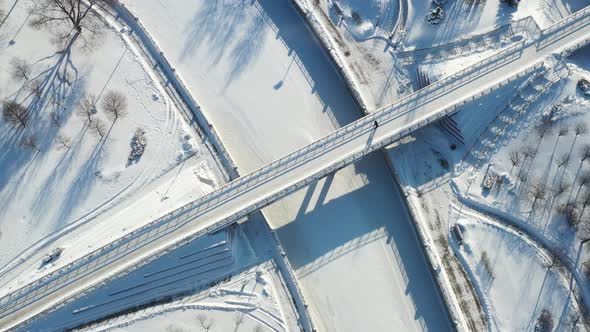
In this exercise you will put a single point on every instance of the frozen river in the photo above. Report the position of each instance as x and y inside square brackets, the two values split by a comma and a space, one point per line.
[268, 88]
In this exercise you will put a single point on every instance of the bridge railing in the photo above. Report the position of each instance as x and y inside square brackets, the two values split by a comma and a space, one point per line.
[564, 27]
[559, 25]
[177, 218]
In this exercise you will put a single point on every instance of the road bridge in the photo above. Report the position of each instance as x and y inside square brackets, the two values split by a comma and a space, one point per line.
[237, 199]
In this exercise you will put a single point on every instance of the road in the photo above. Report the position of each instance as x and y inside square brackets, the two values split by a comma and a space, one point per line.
[290, 173]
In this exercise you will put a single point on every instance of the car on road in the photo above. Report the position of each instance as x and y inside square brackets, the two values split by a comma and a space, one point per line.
[52, 256]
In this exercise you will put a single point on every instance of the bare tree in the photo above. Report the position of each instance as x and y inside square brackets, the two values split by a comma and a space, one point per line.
[515, 159]
[115, 105]
[88, 108]
[87, 115]
[99, 128]
[89, 103]
[538, 191]
[584, 179]
[36, 87]
[64, 16]
[528, 152]
[563, 130]
[570, 212]
[574, 319]
[174, 328]
[63, 142]
[561, 188]
[55, 118]
[553, 261]
[563, 160]
[48, 13]
[205, 323]
[544, 127]
[20, 69]
[522, 175]
[15, 113]
[31, 142]
[581, 129]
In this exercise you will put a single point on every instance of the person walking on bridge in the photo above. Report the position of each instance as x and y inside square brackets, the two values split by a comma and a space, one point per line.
[375, 124]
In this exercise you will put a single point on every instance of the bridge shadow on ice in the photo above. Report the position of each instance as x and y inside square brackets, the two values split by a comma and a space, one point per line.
[326, 230]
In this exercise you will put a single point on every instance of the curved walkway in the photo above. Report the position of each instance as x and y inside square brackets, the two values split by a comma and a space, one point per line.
[536, 237]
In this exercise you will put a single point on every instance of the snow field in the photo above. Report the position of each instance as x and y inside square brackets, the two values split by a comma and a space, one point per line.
[43, 192]
[516, 277]
[253, 300]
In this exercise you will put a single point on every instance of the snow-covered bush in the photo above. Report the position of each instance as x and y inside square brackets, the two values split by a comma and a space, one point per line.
[436, 15]
[512, 3]
[544, 322]
[138, 143]
[584, 85]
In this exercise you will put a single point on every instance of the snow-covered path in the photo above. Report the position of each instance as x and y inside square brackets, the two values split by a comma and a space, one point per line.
[304, 166]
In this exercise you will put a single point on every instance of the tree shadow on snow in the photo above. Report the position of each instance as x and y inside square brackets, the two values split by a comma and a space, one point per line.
[83, 182]
[235, 31]
[323, 78]
[57, 89]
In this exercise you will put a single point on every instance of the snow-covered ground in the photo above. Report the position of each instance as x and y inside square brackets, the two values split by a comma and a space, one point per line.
[366, 38]
[268, 90]
[465, 18]
[254, 300]
[52, 190]
[557, 161]
[516, 277]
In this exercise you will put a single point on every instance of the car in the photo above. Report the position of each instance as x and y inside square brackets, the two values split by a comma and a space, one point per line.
[53, 255]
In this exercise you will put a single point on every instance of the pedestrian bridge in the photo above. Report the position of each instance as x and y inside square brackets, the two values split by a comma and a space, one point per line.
[253, 191]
